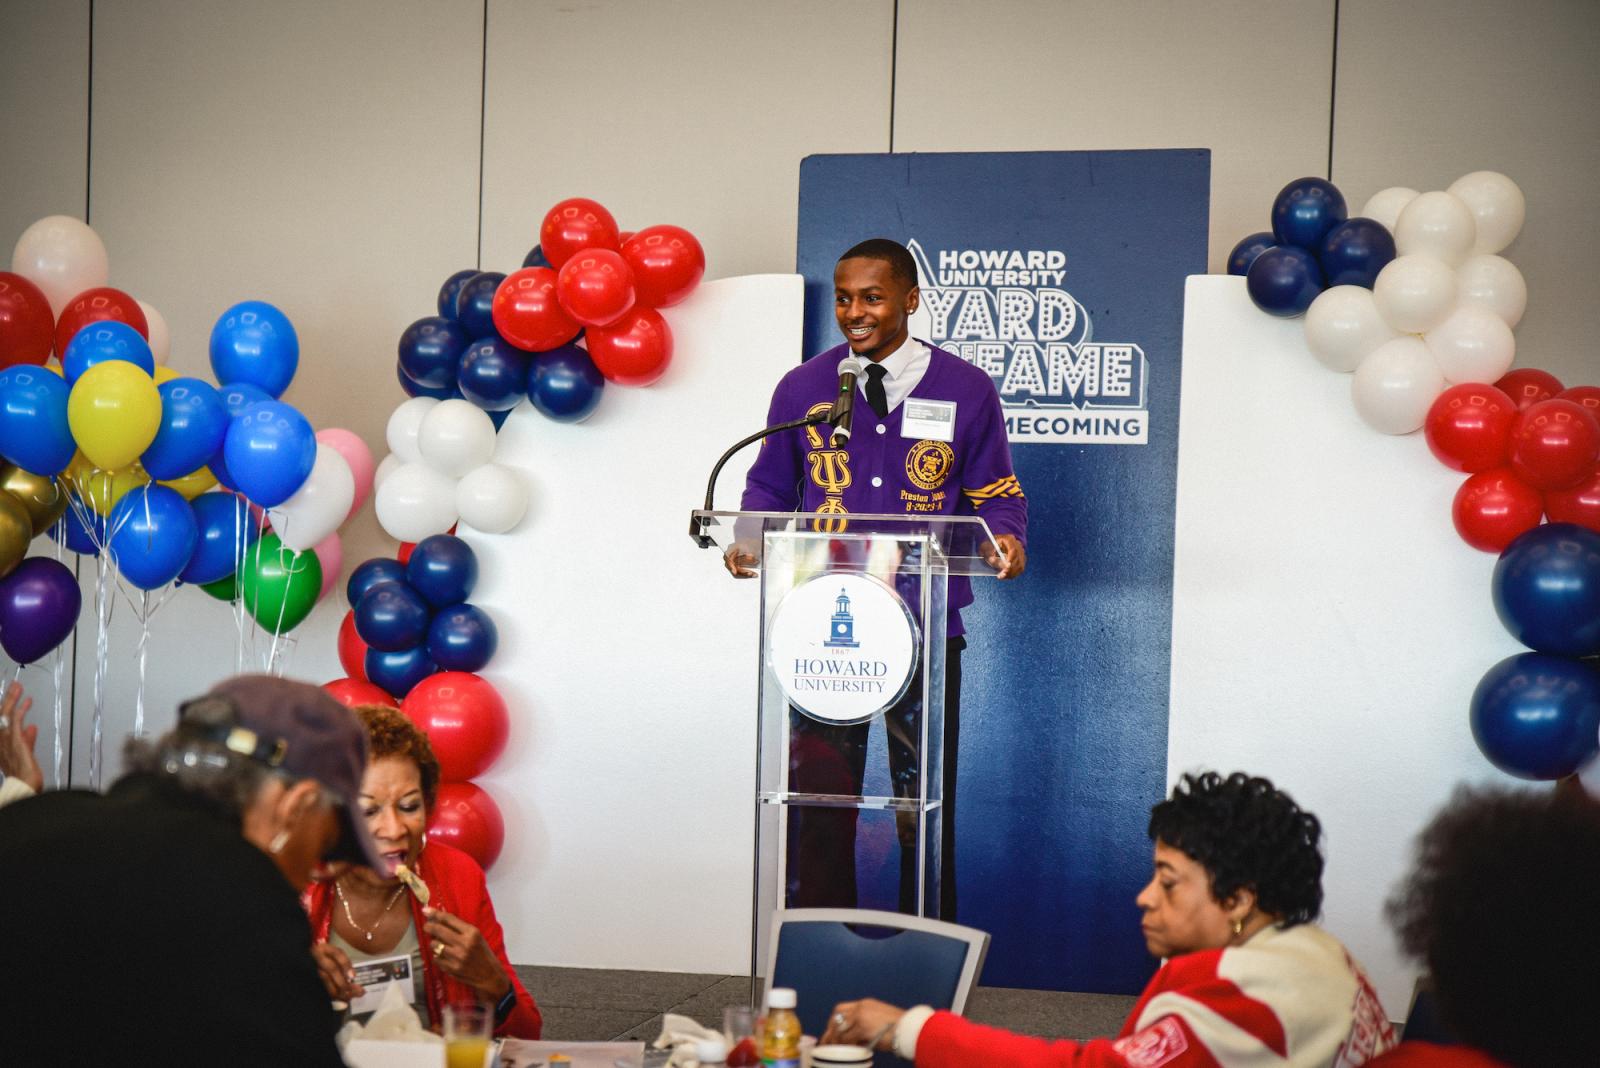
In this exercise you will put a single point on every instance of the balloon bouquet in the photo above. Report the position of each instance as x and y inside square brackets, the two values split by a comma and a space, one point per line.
[1424, 319]
[582, 311]
[162, 479]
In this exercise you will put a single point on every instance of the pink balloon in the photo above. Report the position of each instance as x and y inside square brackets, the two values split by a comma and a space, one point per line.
[358, 456]
[330, 554]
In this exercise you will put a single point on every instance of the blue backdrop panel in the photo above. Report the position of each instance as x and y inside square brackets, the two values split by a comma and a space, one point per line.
[1061, 273]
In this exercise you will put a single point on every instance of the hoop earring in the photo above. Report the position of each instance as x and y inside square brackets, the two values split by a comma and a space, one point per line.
[279, 840]
[1238, 928]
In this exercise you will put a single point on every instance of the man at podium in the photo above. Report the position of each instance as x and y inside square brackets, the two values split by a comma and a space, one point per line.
[928, 438]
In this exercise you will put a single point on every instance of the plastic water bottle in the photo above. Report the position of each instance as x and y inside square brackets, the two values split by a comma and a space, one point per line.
[780, 1033]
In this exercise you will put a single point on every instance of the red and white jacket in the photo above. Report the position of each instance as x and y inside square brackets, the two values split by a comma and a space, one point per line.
[1287, 998]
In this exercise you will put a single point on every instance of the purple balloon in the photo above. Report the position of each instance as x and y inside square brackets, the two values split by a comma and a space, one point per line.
[39, 604]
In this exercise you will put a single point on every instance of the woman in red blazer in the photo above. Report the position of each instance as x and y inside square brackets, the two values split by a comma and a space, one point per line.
[454, 941]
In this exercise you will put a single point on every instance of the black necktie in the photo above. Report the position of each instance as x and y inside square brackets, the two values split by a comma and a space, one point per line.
[875, 394]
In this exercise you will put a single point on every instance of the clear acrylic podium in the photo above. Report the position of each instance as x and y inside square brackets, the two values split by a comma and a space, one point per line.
[853, 613]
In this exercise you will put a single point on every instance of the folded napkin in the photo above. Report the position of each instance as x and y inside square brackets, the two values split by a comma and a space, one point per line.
[680, 1034]
[395, 1021]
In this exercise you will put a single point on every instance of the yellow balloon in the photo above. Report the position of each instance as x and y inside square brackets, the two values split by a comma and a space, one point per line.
[101, 489]
[53, 367]
[41, 495]
[194, 483]
[114, 411]
[165, 374]
[16, 531]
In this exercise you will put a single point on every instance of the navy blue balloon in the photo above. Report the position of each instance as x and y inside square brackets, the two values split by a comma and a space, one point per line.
[369, 574]
[392, 616]
[1246, 251]
[494, 374]
[153, 534]
[536, 258]
[397, 672]
[1354, 251]
[462, 638]
[102, 341]
[475, 302]
[415, 389]
[430, 350]
[444, 569]
[565, 384]
[34, 433]
[1547, 589]
[452, 287]
[224, 524]
[1284, 280]
[1536, 716]
[70, 531]
[269, 452]
[236, 397]
[254, 342]
[1305, 210]
[194, 422]
[499, 419]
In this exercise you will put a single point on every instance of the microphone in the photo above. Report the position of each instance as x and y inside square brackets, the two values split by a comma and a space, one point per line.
[844, 406]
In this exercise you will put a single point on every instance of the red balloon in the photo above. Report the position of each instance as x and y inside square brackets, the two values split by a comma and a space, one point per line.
[596, 286]
[352, 692]
[94, 306]
[633, 351]
[466, 817]
[1469, 427]
[465, 719]
[1492, 507]
[1580, 504]
[27, 328]
[667, 263]
[1554, 444]
[1529, 385]
[574, 225]
[352, 650]
[527, 313]
[1588, 396]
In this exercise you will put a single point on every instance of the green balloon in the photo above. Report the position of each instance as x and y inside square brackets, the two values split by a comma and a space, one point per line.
[224, 589]
[279, 586]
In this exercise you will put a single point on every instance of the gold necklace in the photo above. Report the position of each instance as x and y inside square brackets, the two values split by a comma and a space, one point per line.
[339, 890]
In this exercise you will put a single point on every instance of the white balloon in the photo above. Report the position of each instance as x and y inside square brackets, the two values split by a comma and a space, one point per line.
[1415, 293]
[416, 502]
[1343, 326]
[456, 436]
[1472, 345]
[1589, 777]
[492, 498]
[1386, 205]
[160, 336]
[1436, 224]
[404, 425]
[1394, 387]
[319, 505]
[385, 469]
[61, 256]
[1493, 282]
[1497, 206]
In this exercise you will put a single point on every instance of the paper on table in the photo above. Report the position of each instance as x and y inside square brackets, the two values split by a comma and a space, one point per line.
[521, 1053]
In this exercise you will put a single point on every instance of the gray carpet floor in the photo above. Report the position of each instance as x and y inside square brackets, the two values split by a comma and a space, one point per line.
[593, 1004]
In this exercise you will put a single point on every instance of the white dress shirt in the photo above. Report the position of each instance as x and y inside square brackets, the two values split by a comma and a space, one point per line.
[905, 366]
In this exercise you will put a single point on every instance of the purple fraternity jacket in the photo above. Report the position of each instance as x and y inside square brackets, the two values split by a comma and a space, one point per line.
[882, 471]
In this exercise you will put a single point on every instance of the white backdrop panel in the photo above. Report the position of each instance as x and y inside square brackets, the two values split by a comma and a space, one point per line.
[1328, 624]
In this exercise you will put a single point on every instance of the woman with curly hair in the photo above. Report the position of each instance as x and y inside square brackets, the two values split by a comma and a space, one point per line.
[448, 927]
[1248, 980]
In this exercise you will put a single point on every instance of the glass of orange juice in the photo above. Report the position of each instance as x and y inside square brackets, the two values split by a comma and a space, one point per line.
[467, 1029]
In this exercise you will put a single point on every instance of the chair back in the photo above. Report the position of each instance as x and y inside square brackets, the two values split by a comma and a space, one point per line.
[833, 955]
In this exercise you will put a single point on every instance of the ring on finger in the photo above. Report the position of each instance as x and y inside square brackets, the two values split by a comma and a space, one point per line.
[438, 949]
[840, 1022]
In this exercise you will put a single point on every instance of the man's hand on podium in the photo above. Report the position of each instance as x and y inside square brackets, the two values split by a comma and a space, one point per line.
[1015, 560]
[738, 560]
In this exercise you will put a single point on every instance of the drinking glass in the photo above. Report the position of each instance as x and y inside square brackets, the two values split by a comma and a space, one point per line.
[467, 1029]
[739, 1028]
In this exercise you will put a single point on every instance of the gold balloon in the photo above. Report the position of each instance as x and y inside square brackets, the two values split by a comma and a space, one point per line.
[44, 499]
[16, 531]
[194, 483]
[101, 489]
[165, 374]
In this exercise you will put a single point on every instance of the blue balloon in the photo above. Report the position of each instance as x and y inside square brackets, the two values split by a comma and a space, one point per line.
[444, 569]
[1305, 210]
[475, 302]
[414, 389]
[452, 287]
[254, 342]
[392, 616]
[1547, 589]
[70, 531]
[1536, 716]
[34, 433]
[193, 423]
[269, 451]
[536, 258]
[102, 341]
[430, 351]
[369, 574]
[1354, 251]
[235, 398]
[399, 671]
[565, 384]
[499, 419]
[153, 535]
[225, 528]
[1284, 280]
[494, 374]
[1246, 251]
[462, 638]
